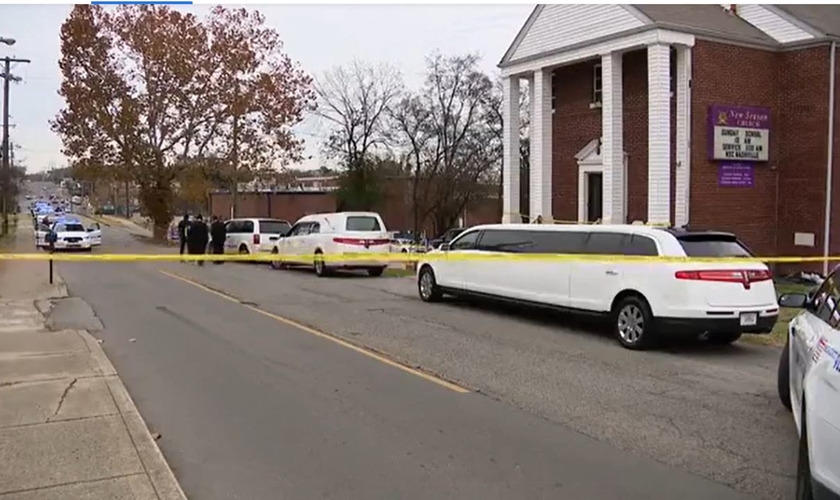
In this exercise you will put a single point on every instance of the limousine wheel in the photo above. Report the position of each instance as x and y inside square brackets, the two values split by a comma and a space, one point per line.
[633, 323]
[427, 286]
[276, 264]
[321, 269]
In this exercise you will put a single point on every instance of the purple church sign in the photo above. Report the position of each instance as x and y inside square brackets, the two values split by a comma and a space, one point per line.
[739, 133]
[736, 175]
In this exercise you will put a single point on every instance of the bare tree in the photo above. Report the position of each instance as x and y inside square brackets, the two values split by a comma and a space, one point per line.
[354, 100]
[413, 132]
[465, 149]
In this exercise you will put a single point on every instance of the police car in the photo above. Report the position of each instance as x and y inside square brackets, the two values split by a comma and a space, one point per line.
[70, 234]
[809, 386]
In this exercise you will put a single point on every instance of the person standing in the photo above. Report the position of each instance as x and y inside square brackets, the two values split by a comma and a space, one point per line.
[218, 233]
[183, 225]
[199, 237]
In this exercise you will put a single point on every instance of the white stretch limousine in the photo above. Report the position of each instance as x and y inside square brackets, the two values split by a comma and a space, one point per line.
[643, 299]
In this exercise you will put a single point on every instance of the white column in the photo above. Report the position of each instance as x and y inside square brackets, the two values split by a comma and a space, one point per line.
[659, 135]
[683, 181]
[540, 167]
[612, 137]
[510, 145]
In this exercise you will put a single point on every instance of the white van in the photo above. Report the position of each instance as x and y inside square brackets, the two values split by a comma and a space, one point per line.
[251, 236]
[644, 299]
[315, 238]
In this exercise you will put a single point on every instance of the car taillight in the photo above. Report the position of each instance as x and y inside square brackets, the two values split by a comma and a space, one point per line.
[761, 275]
[361, 241]
[349, 241]
[256, 239]
[725, 276]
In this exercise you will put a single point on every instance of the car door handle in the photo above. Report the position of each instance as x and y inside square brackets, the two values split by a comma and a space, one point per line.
[274, 238]
[612, 273]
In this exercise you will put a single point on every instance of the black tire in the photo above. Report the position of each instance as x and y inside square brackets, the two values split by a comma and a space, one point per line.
[376, 271]
[276, 264]
[427, 286]
[783, 377]
[320, 267]
[243, 250]
[724, 338]
[633, 323]
[804, 487]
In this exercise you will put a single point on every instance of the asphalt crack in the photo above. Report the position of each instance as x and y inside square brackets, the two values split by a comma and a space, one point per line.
[63, 397]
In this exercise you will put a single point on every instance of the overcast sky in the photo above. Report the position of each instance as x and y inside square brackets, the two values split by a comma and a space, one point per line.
[318, 36]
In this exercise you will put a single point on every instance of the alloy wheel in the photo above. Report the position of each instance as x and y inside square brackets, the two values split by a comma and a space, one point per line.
[631, 323]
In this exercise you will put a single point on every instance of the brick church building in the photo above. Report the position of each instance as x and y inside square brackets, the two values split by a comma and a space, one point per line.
[716, 117]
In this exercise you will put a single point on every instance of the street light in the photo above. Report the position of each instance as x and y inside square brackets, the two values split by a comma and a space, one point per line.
[7, 41]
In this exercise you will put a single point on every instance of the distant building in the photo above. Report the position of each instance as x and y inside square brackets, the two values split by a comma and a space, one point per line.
[681, 114]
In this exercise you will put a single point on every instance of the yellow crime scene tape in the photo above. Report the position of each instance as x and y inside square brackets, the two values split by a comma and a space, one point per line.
[394, 257]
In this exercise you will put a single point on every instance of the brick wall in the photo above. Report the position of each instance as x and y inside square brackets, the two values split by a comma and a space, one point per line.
[789, 191]
[835, 206]
[287, 206]
[395, 208]
[575, 124]
[739, 76]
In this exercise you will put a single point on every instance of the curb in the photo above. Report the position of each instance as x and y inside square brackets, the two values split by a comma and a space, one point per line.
[157, 469]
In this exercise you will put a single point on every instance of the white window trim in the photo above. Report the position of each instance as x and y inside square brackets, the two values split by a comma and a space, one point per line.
[594, 166]
[596, 101]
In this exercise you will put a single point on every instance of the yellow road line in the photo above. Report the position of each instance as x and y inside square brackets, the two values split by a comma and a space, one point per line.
[332, 338]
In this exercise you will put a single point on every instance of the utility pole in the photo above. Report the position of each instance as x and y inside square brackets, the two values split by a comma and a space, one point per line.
[6, 176]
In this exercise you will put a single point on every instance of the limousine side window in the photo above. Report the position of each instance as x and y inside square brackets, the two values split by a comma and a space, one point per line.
[465, 242]
[556, 241]
[641, 246]
[606, 243]
[503, 240]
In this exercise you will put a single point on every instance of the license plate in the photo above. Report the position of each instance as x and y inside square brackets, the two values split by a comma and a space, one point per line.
[749, 319]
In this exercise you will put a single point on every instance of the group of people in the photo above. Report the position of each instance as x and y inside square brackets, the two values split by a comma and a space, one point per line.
[197, 238]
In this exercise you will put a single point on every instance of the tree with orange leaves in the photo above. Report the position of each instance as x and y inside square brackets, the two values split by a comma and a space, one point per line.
[149, 89]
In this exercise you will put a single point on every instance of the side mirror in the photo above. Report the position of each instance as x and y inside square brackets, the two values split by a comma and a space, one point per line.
[794, 300]
[90, 229]
[443, 247]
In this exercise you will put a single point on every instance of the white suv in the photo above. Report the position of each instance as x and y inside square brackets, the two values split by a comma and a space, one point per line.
[720, 300]
[251, 236]
[322, 240]
[809, 386]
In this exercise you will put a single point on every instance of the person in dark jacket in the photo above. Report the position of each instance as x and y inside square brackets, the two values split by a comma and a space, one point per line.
[218, 233]
[198, 237]
[183, 225]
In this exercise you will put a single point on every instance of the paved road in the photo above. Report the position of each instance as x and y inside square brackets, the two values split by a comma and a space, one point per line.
[251, 405]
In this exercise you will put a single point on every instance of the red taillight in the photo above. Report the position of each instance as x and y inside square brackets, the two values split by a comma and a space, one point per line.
[349, 241]
[256, 239]
[725, 276]
[362, 242]
[761, 275]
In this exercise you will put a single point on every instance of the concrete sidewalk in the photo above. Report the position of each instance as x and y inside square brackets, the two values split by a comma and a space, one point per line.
[68, 428]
